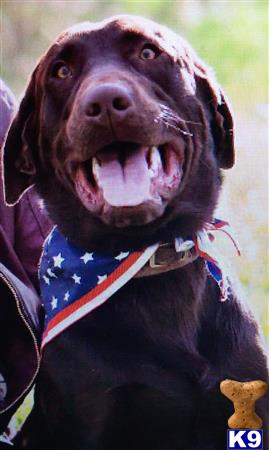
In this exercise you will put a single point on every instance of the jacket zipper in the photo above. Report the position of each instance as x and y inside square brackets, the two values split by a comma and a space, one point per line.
[19, 308]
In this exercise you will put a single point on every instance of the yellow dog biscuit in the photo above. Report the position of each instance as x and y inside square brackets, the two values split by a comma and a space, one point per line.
[244, 395]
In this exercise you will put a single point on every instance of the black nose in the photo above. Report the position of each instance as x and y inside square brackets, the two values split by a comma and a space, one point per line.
[109, 98]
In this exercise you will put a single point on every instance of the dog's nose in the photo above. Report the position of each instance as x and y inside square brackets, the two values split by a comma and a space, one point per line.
[109, 98]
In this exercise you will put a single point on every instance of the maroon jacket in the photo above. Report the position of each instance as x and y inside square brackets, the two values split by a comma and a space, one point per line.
[22, 232]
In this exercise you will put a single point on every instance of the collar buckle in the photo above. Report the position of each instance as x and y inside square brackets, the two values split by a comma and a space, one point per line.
[152, 261]
[159, 259]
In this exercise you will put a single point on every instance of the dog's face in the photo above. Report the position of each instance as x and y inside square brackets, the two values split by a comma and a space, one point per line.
[123, 131]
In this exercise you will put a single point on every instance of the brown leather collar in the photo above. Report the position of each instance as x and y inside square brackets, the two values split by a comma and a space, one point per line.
[165, 259]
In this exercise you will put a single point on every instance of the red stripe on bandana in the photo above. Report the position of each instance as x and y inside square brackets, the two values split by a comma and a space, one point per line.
[90, 296]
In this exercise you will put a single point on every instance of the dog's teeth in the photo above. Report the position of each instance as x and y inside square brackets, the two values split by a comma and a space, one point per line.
[154, 161]
[95, 168]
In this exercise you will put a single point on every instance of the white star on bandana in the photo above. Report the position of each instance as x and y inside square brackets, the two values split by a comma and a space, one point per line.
[66, 296]
[46, 279]
[87, 257]
[76, 278]
[54, 302]
[58, 260]
[51, 274]
[122, 255]
[101, 278]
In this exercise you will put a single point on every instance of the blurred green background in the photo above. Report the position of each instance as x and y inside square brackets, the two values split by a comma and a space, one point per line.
[231, 36]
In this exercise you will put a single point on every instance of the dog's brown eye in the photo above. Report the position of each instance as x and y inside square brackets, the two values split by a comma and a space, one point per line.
[63, 72]
[149, 52]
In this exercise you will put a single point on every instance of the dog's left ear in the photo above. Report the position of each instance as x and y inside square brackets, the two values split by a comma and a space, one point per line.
[221, 119]
[21, 142]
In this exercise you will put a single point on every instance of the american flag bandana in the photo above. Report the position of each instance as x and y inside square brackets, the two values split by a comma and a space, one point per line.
[74, 282]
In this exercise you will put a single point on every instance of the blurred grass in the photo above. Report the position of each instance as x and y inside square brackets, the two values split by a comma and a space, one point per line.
[231, 36]
[236, 46]
[23, 411]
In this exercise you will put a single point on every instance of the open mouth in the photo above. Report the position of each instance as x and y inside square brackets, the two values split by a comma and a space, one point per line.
[130, 178]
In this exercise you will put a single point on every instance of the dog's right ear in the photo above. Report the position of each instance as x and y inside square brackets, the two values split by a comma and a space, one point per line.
[20, 146]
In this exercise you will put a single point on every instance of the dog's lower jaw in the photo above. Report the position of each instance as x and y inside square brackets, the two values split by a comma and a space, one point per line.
[127, 184]
[182, 217]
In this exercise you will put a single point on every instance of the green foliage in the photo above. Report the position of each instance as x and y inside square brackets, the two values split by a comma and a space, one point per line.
[236, 46]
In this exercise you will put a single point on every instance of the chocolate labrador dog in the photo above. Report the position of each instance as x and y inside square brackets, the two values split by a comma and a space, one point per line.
[124, 132]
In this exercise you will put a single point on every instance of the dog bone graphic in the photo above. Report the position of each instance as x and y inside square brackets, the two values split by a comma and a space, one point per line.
[244, 395]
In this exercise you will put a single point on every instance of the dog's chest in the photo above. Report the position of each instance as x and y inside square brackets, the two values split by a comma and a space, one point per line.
[134, 358]
[144, 334]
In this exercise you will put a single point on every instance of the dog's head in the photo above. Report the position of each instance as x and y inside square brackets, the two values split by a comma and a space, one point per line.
[123, 130]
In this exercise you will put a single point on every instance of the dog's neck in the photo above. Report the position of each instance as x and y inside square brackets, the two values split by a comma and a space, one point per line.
[74, 282]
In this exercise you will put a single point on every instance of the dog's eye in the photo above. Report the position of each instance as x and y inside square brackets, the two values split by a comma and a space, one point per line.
[62, 71]
[149, 51]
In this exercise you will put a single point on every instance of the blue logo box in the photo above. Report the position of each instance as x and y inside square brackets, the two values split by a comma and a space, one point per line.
[247, 439]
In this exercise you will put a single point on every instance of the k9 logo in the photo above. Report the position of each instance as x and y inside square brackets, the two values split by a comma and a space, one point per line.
[247, 439]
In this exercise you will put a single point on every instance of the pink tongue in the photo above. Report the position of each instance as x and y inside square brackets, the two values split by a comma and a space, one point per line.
[126, 184]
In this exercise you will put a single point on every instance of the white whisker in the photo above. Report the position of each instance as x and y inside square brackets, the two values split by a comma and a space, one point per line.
[174, 127]
[167, 113]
